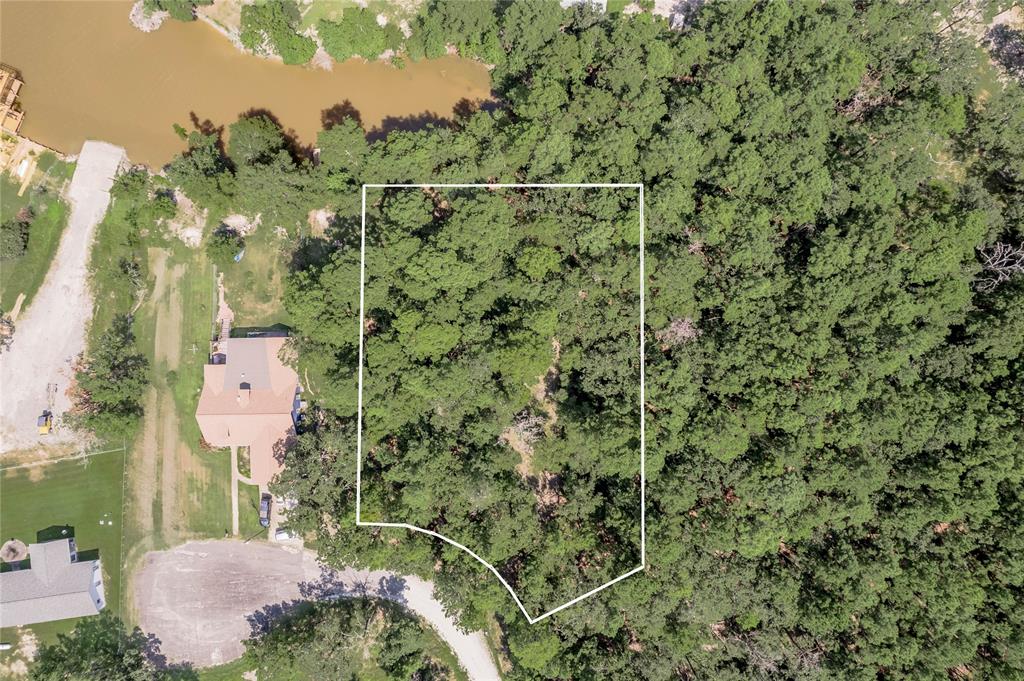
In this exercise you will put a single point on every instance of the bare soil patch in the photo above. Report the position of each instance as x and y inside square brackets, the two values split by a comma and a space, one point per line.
[15, 664]
[189, 222]
[529, 428]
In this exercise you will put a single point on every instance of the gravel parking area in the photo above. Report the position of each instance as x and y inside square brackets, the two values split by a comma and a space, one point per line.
[50, 334]
[202, 599]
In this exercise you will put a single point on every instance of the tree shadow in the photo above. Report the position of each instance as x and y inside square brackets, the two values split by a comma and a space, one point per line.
[55, 532]
[465, 107]
[414, 123]
[331, 585]
[313, 252]
[281, 448]
[339, 113]
[178, 671]
[264, 619]
[1006, 45]
[207, 127]
[273, 331]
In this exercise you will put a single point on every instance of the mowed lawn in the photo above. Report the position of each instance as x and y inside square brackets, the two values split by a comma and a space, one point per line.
[85, 494]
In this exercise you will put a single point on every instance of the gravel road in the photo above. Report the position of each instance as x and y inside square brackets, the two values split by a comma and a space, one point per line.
[51, 332]
[203, 598]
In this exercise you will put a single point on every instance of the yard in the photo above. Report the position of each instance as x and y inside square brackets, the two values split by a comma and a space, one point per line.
[176, 488]
[255, 285]
[25, 274]
[85, 494]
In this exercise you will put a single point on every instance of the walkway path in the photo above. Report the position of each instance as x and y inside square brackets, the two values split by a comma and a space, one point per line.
[234, 490]
[202, 599]
[50, 333]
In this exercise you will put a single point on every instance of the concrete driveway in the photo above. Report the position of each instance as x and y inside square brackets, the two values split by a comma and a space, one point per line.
[50, 334]
[202, 599]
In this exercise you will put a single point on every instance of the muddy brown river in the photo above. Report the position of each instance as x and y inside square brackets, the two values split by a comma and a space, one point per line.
[89, 74]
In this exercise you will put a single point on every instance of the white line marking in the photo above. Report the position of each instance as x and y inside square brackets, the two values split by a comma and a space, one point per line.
[46, 462]
[359, 402]
[643, 371]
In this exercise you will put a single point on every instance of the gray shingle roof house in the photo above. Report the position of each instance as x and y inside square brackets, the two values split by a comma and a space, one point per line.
[57, 586]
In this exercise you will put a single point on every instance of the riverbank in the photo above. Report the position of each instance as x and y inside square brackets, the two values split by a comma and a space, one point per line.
[82, 88]
[225, 17]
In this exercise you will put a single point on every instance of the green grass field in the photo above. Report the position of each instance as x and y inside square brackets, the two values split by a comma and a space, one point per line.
[26, 274]
[255, 286]
[84, 494]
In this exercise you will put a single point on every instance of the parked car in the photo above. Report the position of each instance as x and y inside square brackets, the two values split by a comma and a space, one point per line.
[265, 510]
[283, 535]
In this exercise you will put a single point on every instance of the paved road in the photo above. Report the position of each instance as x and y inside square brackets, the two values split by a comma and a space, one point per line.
[202, 599]
[50, 333]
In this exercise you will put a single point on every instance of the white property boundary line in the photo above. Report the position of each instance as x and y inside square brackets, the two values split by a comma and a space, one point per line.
[359, 419]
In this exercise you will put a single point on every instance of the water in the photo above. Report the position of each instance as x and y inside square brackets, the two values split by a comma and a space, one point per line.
[89, 74]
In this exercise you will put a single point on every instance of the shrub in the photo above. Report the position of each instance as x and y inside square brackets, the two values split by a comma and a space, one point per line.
[223, 245]
[14, 235]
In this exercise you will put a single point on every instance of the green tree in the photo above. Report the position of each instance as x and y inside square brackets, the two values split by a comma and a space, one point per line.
[270, 26]
[254, 140]
[111, 380]
[833, 396]
[181, 10]
[358, 34]
[203, 172]
[101, 647]
[14, 234]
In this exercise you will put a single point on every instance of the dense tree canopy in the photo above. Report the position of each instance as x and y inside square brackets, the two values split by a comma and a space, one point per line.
[501, 391]
[347, 640]
[357, 34]
[269, 27]
[834, 407]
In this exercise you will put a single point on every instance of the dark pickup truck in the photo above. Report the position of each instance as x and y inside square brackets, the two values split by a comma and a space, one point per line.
[265, 501]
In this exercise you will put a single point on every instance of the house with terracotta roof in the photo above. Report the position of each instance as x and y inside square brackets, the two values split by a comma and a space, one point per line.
[55, 586]
[250, 399]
